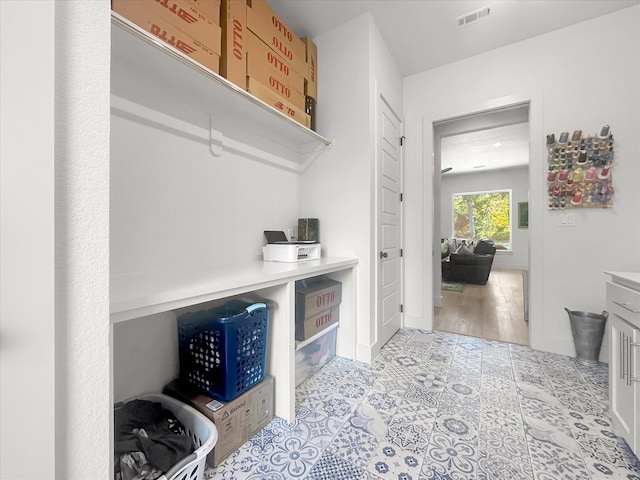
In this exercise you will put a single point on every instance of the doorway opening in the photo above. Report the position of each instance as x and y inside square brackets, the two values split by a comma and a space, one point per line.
[480, 194]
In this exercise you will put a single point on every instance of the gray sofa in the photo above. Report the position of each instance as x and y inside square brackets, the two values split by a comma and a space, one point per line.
[465, 261]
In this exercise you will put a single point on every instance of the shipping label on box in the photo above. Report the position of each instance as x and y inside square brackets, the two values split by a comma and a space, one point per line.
[182, 14]
[308, 327]
[264, 22]
[209, 8]
[311, 84]
[236, 421]
[316, 297]
[233, 64]
[271, 98]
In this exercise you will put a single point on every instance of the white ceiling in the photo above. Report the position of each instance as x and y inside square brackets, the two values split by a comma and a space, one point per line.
[422, 34]
[501, 147]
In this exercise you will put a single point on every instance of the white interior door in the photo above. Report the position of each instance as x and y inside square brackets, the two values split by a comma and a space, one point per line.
[389, 184]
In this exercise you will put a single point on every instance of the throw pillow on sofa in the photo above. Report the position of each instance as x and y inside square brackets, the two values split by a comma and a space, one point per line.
[463, 250]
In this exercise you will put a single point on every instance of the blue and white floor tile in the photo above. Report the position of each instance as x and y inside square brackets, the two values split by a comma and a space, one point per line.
[438, 406]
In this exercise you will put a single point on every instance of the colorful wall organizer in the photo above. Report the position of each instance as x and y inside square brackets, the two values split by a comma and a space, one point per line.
[579, 170]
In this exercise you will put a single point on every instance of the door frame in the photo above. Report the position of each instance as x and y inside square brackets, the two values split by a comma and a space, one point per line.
[475, 121]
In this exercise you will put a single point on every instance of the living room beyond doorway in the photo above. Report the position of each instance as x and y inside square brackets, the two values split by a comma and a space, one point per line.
[483, 161]
[495, 311]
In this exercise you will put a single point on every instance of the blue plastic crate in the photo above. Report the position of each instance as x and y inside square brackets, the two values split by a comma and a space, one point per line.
[223, 350]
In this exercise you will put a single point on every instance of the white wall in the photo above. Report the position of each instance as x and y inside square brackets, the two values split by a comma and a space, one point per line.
[55, 240]
[27, 289]
[567, 264]
[176, 206]
[339, 188]
[515, 179]
[83, 404]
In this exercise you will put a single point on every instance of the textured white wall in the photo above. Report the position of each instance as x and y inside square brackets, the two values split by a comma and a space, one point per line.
[515, 179]
[566, 263]
[83, 401]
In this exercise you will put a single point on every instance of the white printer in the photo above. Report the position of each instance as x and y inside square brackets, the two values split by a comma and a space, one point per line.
[279, 249]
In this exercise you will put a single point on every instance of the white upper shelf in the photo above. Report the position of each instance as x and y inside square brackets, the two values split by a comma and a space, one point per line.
[137, 56]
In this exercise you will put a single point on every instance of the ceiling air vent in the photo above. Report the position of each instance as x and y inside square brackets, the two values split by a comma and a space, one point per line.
[471, 17]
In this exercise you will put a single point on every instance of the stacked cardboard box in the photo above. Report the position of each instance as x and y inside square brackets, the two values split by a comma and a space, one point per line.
[237, 421]
[190, 26]
[317, 306]
[276, 62]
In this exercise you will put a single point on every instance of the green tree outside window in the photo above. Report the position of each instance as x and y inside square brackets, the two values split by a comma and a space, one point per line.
[483, 215]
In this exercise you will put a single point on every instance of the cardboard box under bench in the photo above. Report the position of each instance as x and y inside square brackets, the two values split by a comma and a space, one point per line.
[237, 421]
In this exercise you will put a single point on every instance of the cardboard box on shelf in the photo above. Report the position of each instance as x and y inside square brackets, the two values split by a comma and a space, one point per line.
[170, 34]
[181, 14]
[316, 296]
[270, 69]
[264, 22]
[237, 421]
[271, 98]
[233, 63]
[209, 8]
[311, 79]
[309, 326]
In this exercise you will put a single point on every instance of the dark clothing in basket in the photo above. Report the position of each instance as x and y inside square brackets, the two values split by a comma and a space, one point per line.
[149, 440]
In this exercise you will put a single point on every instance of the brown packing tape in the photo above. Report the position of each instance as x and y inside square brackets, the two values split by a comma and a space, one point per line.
[271, 98]
[181, 14]
[169, 33]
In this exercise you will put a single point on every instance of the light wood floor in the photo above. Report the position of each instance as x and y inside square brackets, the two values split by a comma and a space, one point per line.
[493, 311]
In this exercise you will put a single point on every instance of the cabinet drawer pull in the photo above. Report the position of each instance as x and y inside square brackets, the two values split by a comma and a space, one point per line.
[626, 305]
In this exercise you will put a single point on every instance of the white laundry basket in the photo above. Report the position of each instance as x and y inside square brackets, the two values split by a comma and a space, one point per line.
[202, 431]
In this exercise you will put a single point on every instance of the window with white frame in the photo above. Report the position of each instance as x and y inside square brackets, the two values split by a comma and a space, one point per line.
[487, 214]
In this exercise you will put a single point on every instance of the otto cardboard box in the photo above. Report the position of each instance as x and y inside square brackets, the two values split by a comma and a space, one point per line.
[169, 34]
[270, 36]
[182, 14]
[208, 8]
[311, 83]
[270, 69]
[271, 98]
[309, 326]
[316, 296]
[233, 63]
[264, 22]
[237, 421]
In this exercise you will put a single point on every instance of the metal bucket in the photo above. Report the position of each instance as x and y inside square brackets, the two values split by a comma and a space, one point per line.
[588, 330]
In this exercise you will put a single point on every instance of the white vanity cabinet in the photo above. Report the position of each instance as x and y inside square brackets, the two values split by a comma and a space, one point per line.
[623, 304]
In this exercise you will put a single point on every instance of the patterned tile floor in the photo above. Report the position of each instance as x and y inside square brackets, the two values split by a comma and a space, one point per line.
[438, 406]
